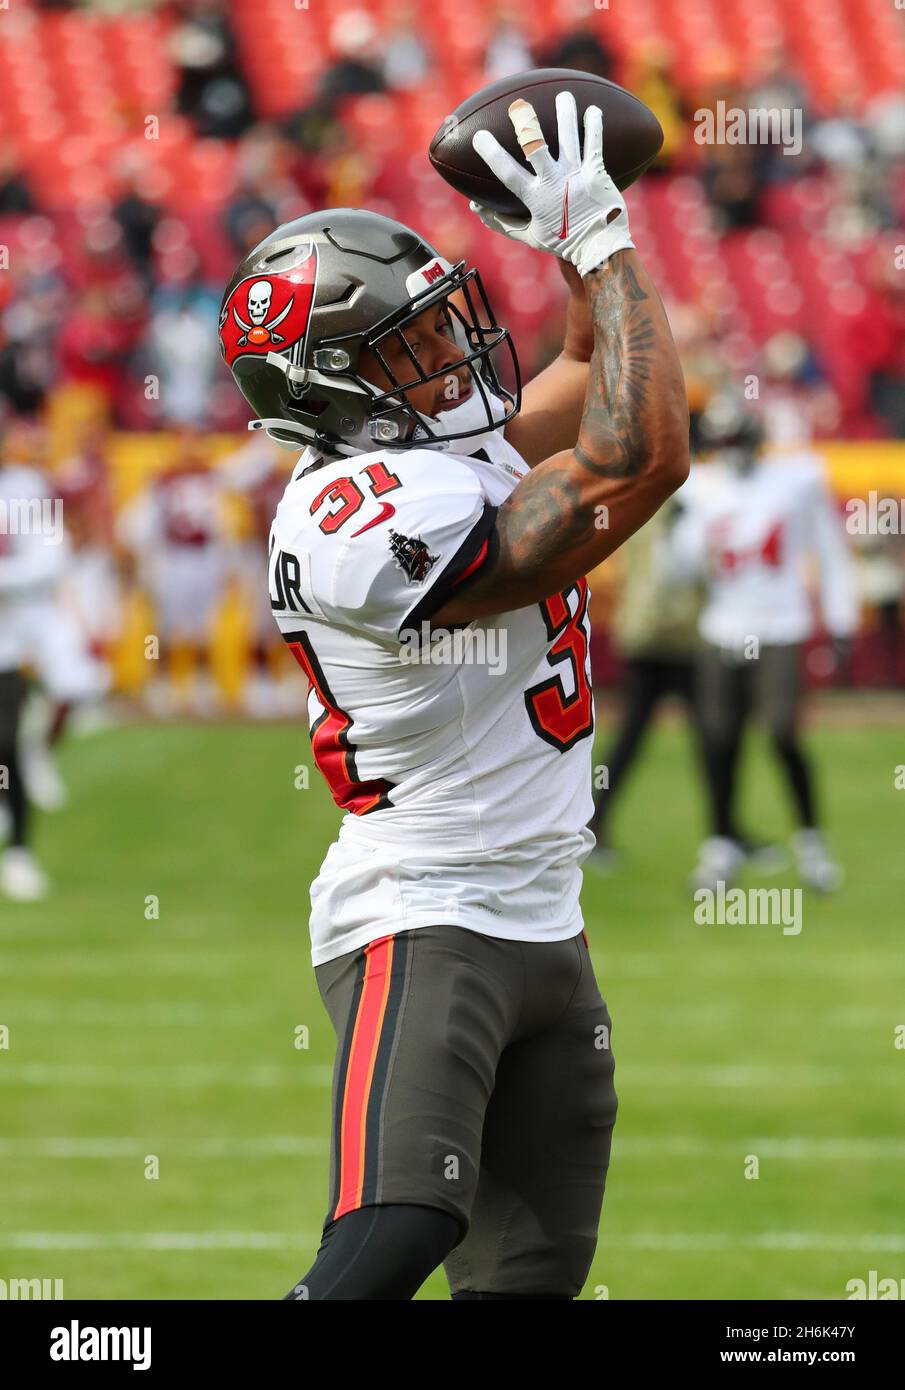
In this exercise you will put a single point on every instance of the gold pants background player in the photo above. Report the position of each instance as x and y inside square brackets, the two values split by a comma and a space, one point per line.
[473, 1109]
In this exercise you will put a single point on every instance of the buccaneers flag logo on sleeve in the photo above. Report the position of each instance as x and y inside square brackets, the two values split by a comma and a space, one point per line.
[269, 313]
[412, 556]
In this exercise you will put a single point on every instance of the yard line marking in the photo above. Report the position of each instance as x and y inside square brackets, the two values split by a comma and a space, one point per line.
[159, 1240]
[109, 959]
[791, 1147]
[104, 1147]
[303, 1146]
[870, 1017]
[81, 1011]
[183, 1074]
[613, 965]
[777, 1077]
[662, 1242]
[879, 1242]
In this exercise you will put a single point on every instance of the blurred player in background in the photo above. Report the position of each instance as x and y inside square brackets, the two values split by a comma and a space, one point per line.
[92, 583]
[27, 566]
[72, 665]
[177, 532]
[656, 629]
[257, 472]
[37, 635]
[749, 526]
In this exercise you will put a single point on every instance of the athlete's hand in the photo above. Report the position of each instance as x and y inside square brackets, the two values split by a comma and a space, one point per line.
[577, 212]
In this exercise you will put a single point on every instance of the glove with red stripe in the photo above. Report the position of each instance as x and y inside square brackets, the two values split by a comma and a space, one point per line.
[577, 212]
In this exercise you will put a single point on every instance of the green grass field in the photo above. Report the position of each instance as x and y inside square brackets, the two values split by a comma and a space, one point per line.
[175, 1037]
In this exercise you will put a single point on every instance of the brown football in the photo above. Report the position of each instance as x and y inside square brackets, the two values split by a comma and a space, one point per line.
[632, 135]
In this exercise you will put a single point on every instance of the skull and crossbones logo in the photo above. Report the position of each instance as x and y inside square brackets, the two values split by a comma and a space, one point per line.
[261, 329]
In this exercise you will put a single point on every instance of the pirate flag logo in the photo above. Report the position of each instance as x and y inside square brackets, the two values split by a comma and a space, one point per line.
[269, 313]
[412, 556]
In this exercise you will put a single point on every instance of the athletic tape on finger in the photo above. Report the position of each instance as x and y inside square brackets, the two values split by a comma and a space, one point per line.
[527, 126]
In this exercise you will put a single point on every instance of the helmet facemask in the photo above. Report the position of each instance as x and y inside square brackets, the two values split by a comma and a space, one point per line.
[384, 417]
[395, 422]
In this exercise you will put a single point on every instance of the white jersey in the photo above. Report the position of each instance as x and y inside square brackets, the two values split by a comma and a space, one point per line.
[91, 593]
[465, 778]
[32, 558]
[177, 529]
[753, 537]
[35, 628]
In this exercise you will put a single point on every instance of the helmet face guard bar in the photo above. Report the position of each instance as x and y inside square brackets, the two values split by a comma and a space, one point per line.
[391, 408]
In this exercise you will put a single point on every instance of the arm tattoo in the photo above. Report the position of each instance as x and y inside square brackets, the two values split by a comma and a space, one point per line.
[535, 512]
[635, 420]
[611, 440]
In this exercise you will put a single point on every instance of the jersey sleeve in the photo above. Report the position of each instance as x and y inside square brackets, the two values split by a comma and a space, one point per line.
[404, 550]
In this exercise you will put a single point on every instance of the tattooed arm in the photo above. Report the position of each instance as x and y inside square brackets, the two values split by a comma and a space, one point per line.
[578, 506]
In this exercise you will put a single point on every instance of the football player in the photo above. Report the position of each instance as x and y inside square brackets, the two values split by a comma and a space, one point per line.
[177, 532]
[35, 634]
[77, 624]
[427, 572]
[749, 526]
[655, 630]
[256, 473]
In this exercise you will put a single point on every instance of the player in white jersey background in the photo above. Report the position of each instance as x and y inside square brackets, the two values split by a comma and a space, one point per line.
[177, 530]
[28, 567]
[41, 645]
[257, 473]
[427, 571]
[762, 532]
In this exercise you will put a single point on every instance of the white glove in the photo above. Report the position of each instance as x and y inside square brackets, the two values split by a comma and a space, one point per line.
[570, 199]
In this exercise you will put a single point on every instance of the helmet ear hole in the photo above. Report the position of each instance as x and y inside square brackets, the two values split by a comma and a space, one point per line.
[306, 406]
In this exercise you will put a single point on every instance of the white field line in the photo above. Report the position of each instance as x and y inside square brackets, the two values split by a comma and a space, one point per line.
[168, 1077]
[178, 1015]
[77, 1146]
[678, 1075]
[615, 965]
[879, 1242]
[303, 1146]
[112, 960]
[660, 1242]
[135, 1016]
[778, 1076]
[799, 1147]
[159, 1240]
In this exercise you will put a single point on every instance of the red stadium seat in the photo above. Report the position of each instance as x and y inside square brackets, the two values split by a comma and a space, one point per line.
[79, 87]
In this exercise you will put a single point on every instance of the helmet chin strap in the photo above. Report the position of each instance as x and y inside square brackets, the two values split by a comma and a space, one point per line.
[275, 425]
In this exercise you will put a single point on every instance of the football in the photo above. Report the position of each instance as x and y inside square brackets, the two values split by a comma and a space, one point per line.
[632, 135]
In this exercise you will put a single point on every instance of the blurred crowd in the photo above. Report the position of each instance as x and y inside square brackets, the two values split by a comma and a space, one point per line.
[108, 321]
[120, 299]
